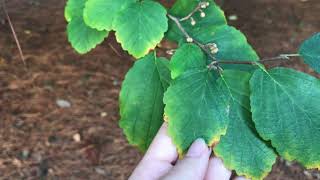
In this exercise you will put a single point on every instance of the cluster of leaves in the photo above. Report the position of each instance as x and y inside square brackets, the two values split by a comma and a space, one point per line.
[251, 114]
[139, 25]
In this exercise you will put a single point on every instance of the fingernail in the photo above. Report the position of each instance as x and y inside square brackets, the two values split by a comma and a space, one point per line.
[197, 149]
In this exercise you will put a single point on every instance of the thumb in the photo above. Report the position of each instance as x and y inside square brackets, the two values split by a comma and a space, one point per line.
[194, 164]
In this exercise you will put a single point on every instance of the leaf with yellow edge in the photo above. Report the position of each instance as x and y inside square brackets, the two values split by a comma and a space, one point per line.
[141, 26]
[285, 109]
[241, 149]
[197, 107]
[141, 99]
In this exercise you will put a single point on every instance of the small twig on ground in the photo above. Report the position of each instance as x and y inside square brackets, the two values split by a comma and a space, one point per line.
[114, 49]
[13, 31]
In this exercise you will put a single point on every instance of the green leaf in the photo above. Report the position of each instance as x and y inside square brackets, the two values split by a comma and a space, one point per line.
[82, 37]
[183, 7]
[285, 109]
[140, 27]
[99, 14]
[188, 56]
[232, 45]
[214, 18]
[310, 51]
[141, 100]
[74, 9]
[241, 149]
[163, 66]
[196, 107]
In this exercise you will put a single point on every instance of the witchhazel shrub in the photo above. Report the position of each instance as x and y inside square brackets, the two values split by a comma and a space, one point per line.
[214, 87]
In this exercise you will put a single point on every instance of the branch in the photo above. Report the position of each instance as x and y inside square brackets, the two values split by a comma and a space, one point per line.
[13, 31]
[201, 5]
[281, 57]
[188, 37]
[211, 49]
[265, 60]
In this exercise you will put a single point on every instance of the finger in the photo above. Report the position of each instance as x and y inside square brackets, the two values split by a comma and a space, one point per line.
[162, 147]
[217, 171]
[240, 178]
[158, 159]
[194, 164]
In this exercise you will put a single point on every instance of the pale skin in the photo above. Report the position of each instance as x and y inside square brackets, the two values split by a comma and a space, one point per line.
[161, 162]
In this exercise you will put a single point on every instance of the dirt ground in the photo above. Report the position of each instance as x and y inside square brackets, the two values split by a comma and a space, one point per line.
[40, 140]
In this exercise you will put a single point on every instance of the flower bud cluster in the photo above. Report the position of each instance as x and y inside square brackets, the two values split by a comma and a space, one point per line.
[202, 5]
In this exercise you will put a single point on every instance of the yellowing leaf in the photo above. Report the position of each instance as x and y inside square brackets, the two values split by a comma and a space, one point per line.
[141, 100]
[197, 107]
[241, 149]
[285, 108]
[141, 26]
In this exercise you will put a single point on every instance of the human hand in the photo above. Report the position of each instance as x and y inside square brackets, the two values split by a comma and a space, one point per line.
[160, 162]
